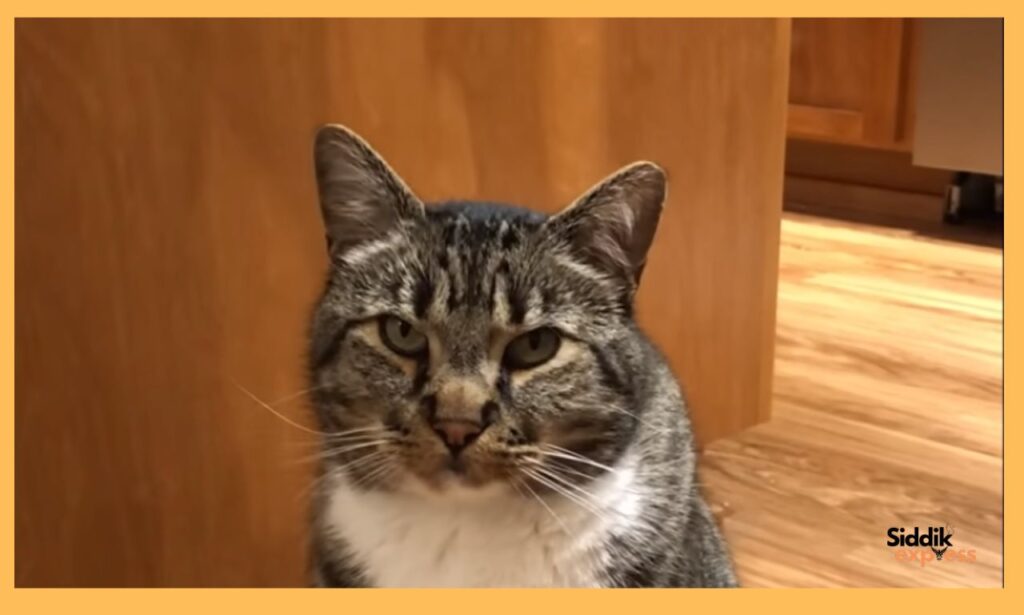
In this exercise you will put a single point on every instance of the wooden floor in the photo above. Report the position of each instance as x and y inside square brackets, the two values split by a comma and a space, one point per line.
[887, 412]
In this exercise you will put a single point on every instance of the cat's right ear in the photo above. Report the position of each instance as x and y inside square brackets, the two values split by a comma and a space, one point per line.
[361, 198]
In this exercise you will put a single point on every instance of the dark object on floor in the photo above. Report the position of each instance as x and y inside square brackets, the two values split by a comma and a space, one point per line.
[973, 197]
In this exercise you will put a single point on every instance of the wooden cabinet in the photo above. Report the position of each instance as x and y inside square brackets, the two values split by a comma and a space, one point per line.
[851, 81]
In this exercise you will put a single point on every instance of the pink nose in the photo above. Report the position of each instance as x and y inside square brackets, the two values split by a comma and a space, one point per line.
[457, 434]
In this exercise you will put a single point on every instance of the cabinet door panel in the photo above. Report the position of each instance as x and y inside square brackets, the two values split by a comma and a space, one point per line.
[849, 80]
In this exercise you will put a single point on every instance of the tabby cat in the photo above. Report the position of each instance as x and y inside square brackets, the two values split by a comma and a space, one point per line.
[491, 414]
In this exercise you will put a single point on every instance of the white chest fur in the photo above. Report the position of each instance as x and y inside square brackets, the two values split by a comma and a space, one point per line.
[404, 540]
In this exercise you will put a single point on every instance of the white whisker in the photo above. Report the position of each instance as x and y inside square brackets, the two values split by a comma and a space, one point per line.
[341, 450]
[275, 412]
[361, 460]
[357, 430]
[555, 487]
[554, 464]
[550, 473]
[298, 394]
[381, 471]
[547, 508]
[563, 453]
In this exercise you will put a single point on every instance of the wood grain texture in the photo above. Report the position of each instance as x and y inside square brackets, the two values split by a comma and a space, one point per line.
[169, 243]
[850, 81]
[841, 125]
[888, 412]
[910, 74]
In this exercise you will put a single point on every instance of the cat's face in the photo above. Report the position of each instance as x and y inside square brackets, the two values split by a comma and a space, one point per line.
[481, 347]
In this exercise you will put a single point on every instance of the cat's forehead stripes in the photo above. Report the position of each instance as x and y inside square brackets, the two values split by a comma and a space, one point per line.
[467, 267]
[470, 267]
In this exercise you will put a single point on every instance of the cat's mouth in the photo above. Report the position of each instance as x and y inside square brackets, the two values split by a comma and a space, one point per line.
[456, 467]
[471, 470]
[457, 471]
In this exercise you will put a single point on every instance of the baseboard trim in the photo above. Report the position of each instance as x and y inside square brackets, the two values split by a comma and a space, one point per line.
[863, 203]
[914, 211]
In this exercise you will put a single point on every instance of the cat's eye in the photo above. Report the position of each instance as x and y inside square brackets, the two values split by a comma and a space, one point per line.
[532, 348]
[401, 337]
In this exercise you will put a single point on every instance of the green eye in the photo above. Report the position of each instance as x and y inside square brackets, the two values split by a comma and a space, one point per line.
[401, 337]
[532, 348]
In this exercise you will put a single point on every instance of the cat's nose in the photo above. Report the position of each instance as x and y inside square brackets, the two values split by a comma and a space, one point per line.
[459, 412]
[457, 434]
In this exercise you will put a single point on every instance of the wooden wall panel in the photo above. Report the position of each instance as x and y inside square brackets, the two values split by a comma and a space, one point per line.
[168, 244]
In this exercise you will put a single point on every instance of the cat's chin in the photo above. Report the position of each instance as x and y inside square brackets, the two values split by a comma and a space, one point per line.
[454, 486]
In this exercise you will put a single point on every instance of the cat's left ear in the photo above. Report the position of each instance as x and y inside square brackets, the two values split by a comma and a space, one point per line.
[361, 197]
[612, 225]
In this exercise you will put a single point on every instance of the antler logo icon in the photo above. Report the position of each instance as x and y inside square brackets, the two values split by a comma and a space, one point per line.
[945, 535]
